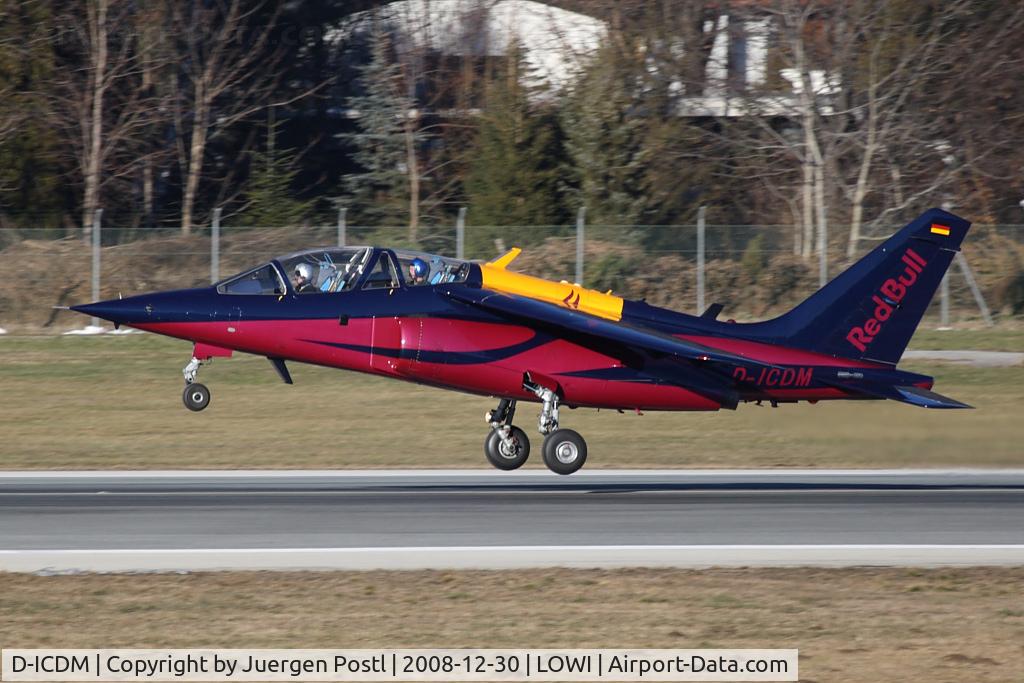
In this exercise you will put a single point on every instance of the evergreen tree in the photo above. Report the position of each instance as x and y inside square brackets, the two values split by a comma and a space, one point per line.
[605, 124]
[636, 162]
[515, 163]
[271, 202]
[385, 142]
[30, 180]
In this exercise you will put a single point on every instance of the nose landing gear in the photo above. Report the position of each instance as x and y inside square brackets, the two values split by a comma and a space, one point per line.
[507, 446]
[196, 396]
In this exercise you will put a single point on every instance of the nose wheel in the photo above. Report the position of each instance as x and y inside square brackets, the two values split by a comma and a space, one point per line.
[196, 396]
[507, 447]
[508, 451]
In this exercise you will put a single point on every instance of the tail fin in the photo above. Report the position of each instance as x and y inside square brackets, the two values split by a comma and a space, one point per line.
[871, 310]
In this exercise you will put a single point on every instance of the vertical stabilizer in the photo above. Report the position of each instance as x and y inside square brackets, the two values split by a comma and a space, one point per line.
[871, 310]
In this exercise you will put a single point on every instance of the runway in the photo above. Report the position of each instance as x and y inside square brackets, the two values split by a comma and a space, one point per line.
[139, 521]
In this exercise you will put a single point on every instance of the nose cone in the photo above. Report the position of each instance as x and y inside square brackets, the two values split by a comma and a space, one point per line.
[184, 304]
[118, 311]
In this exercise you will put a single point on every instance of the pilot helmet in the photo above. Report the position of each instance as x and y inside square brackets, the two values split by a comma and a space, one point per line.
[304, 271]
[419, 268]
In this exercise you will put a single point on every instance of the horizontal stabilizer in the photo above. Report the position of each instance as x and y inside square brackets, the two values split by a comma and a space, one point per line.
[928, 399]
[915, 396]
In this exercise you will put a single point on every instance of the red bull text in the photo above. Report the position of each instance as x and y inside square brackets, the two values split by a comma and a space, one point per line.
[892, 293]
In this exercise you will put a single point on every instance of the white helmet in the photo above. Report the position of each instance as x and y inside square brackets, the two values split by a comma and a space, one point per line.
[305, 271]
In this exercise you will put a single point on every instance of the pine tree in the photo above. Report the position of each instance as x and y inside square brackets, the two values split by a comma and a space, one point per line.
[29, 171]
[605, 127]
[270, 196]
[515, 163]
[386, 145]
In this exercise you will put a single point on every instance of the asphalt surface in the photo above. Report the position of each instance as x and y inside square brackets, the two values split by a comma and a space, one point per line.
[490, 519]
[977, 359]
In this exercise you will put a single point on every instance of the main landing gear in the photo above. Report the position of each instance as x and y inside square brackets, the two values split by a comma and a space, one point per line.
[507, 446]
[196, 395]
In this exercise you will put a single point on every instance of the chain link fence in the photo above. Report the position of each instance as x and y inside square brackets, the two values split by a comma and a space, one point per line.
[755, 270]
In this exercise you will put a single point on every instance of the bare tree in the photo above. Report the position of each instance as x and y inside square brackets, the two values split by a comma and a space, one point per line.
[10, 116]
[869, 79]
[150, 24]
[100, 107]
[228, 72]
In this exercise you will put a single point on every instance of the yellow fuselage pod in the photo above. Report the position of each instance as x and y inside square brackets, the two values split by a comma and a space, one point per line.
[575, 297]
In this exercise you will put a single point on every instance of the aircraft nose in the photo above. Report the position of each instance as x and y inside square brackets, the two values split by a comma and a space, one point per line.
[116, 310]
[155, 307]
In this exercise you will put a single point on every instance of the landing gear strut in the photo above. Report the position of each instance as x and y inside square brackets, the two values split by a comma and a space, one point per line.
[564, 450]
[196, 396]
[507, 446]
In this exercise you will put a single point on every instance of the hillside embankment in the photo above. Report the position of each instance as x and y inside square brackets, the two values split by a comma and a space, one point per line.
[759, 283]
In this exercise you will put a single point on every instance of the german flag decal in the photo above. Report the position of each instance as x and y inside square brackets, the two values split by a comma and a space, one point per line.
[940, 229]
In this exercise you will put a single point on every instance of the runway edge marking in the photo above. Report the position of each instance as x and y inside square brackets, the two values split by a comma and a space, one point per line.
[508, 557]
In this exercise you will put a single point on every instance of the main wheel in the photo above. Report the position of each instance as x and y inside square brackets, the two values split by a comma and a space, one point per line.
[196, 396]
[565, 451]
[503, 457]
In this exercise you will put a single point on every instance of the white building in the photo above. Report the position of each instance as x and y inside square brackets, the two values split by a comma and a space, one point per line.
[554, 41]
[556, 44]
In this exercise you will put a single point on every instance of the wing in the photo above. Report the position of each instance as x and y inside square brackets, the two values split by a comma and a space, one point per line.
[574, 323]
[621, 339]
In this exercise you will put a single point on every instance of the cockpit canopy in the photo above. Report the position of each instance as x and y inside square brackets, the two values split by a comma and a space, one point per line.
[340, 269]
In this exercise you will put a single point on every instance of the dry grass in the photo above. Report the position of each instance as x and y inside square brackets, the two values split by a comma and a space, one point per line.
[752, 286]
[76, 403]
[852, 625]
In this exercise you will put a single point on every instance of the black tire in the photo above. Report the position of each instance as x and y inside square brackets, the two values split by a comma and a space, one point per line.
[565, 451]
[497, 454]
[196, 396]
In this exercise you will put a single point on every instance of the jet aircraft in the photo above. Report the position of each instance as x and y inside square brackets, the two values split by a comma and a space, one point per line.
[483, 329]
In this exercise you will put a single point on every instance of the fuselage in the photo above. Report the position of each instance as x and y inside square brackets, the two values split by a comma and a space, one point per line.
[419, 334]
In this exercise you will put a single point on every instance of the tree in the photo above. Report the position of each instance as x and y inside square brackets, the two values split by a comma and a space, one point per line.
[30, 180]
[386, 143]
[97, 101]
[517, 160]
[269, 194]
[869, 122]
[229, 70]
[638, 162]
[605, 124]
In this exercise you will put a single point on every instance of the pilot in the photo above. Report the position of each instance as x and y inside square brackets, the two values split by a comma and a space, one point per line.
[302, 279]
[418, 271]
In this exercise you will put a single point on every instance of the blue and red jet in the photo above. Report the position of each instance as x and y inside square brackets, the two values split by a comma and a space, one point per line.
[482, 329]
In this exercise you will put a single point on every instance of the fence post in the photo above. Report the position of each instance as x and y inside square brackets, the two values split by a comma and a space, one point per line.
[97, 219]
[215, 246]
[822, 254]
[944, 302]
[700, 260]
[961, 261]
[581, 221]
[460, 233]
[342, 226]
